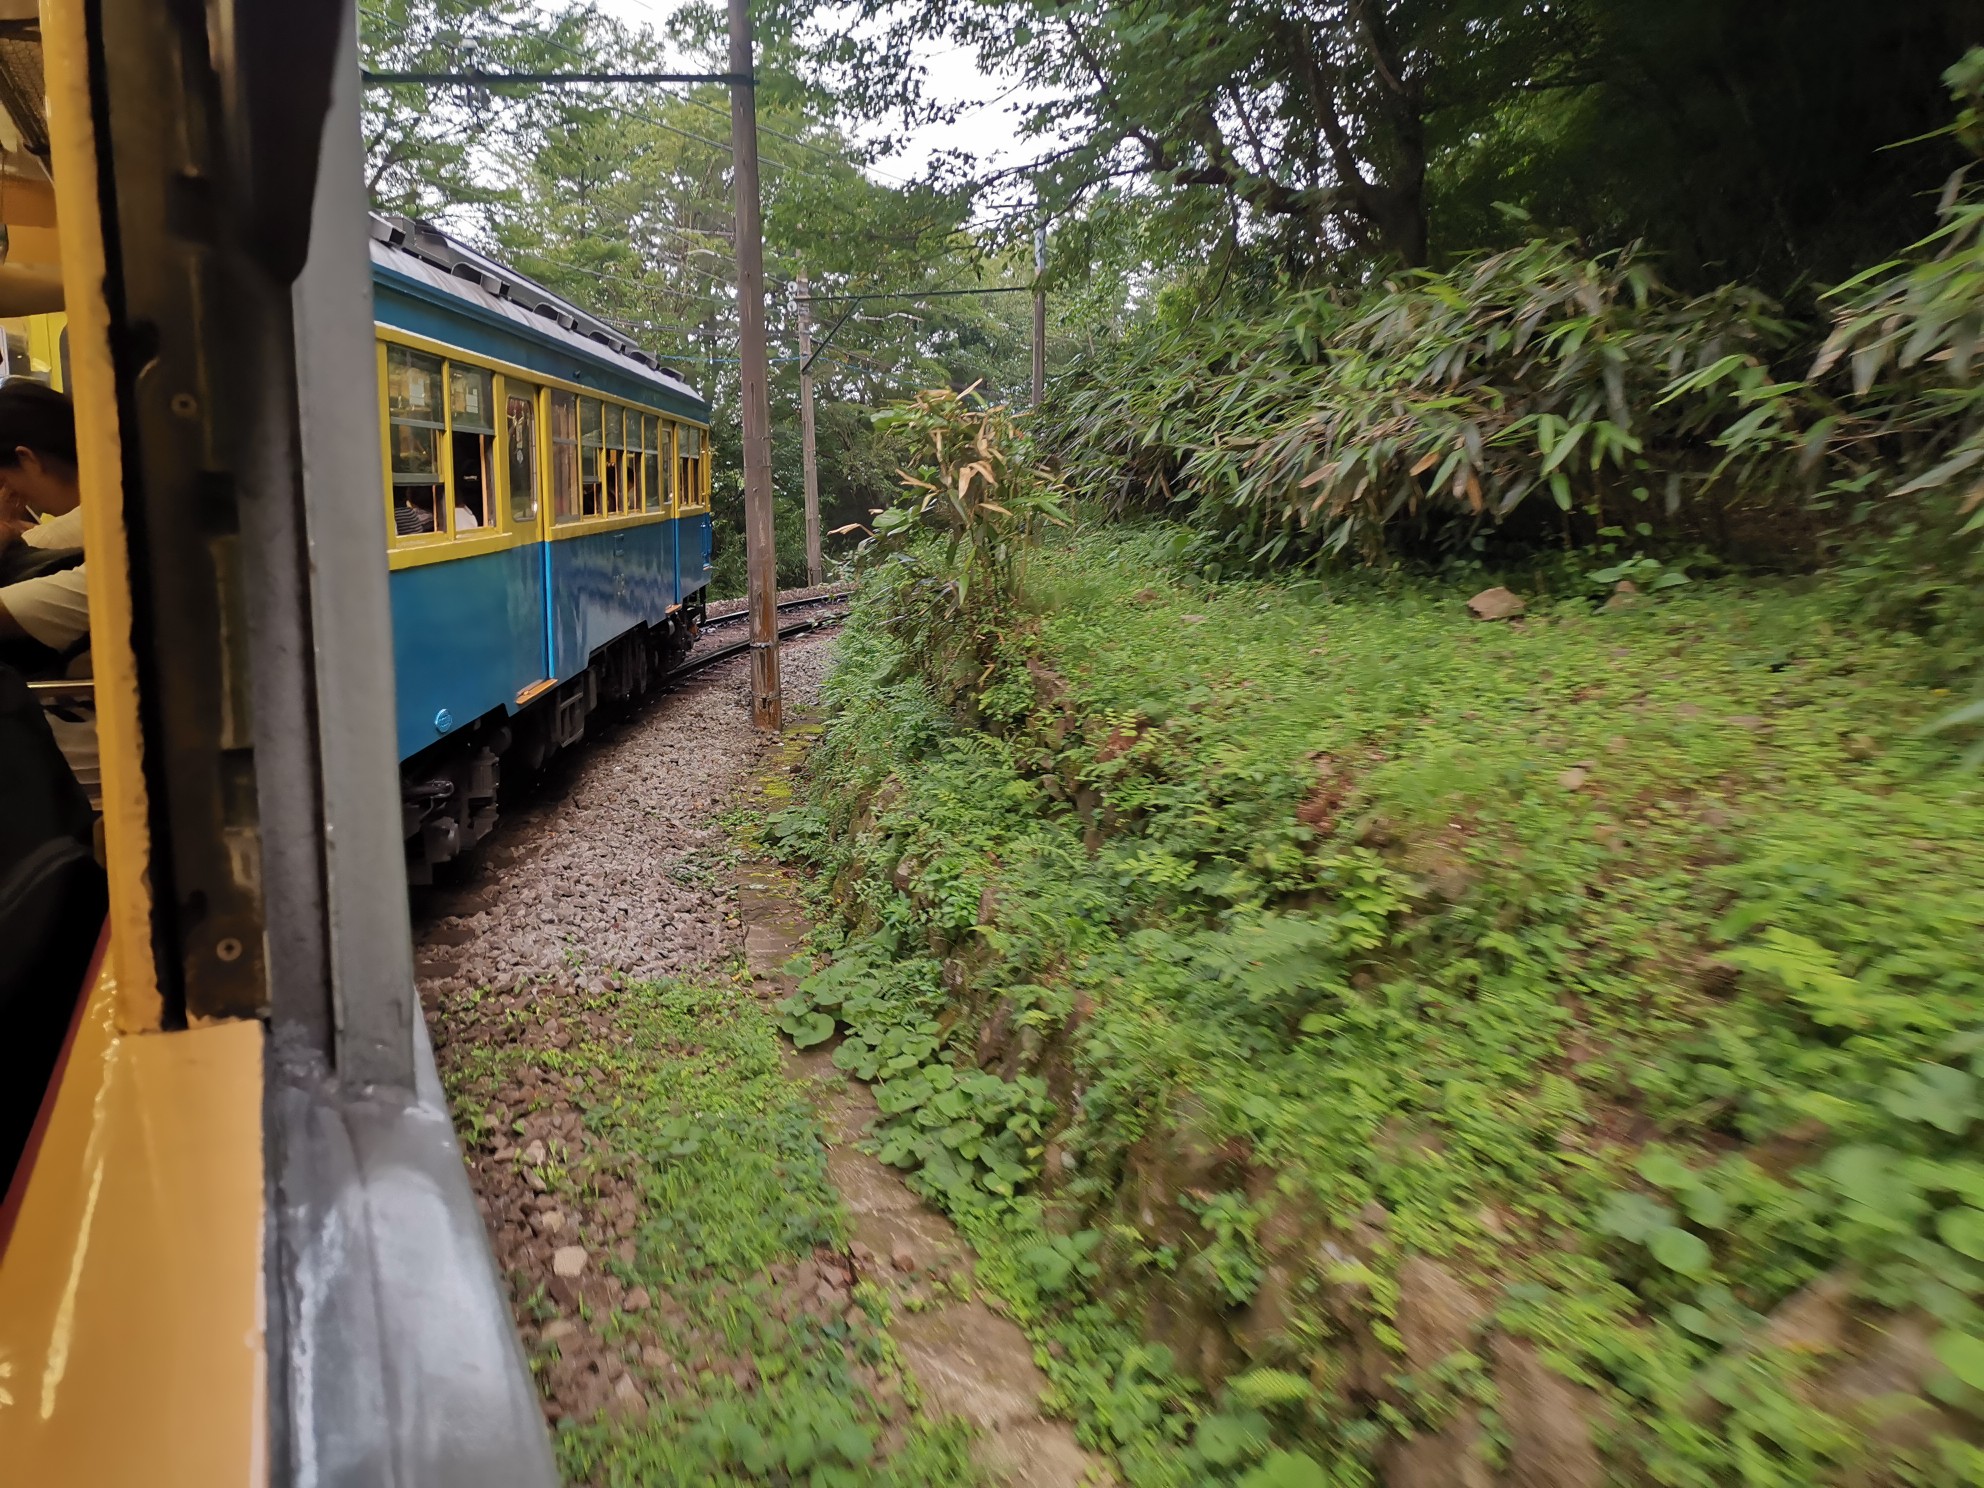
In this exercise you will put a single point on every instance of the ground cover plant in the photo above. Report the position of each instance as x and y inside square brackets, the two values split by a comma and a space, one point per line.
[715, 1333]
[1370, 1044]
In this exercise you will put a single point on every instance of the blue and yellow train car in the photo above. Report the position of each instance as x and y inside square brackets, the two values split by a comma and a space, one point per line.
[547, 490]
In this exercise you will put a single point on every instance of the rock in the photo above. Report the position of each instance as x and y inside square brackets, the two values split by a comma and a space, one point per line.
[534, 1153]
[1496, 604]
[1574, 778]
[654, 1356]
[557, 1330]
[1437, 1316]
[627, 1397]
[903, 1259]
[568, 1260]
[1814, 1319]
[1625, 594]
[550, 1222]
[1447, 1458]
[1545, 1417]
[638, 1300]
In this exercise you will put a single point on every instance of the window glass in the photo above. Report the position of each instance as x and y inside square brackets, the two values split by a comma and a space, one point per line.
[565, 498]
[592, 493]
[613, 461]
[469, 400]
[689, 467]
[472, 443]
[521, 435]
[651, 462]
[417, 425]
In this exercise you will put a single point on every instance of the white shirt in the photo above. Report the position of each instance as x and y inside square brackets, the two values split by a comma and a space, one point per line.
[65, 531]
[54, 608]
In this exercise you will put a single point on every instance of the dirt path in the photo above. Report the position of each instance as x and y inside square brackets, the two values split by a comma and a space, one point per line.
[967, 1360]
[713, 1284]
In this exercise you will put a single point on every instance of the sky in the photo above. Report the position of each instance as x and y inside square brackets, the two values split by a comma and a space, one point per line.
[988, 130]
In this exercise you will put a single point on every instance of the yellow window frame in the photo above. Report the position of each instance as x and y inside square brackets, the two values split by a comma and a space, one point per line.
[412, 550]
[432, 547]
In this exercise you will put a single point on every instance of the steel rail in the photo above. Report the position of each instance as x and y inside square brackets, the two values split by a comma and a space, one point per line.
[697, 664]
[784, 604]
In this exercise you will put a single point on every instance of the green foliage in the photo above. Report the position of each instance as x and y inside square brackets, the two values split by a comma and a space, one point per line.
[1312, 872]
[684, 1086]
[967, 473]
[1434, 407]
[967, 1136]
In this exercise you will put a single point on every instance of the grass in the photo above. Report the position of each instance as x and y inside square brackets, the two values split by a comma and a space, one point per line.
[1625, 960]
[684, 1086]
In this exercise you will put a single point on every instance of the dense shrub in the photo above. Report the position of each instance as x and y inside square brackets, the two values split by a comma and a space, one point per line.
[1545, 391]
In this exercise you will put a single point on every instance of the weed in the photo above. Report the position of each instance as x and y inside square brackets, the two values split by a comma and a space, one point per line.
[1625, 958]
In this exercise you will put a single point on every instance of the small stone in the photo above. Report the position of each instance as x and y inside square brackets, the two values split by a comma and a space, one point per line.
[558, 1330]
[1436, 1314]
[550, 1222]
[903, 1259]
[627, 1395]
[568, 1260]
[1574, 778]
[638, 1300]
[534, 1153]
[1497, 604]
[654, 1356]
[863, 1256]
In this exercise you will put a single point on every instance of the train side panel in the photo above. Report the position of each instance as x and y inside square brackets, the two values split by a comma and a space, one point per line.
[468, 637]
[604, 584]
[695, 545]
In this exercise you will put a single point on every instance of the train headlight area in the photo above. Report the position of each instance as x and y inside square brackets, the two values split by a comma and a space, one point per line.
[315, 527]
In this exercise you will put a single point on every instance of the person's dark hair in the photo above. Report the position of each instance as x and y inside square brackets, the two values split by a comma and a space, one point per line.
[35, 415]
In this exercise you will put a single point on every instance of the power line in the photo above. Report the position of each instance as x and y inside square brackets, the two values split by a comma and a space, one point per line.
[476, 78]
[926, 294]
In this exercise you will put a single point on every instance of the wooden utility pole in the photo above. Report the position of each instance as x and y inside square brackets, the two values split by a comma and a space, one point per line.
[767, 704]
[816, 568]
[1039, 313]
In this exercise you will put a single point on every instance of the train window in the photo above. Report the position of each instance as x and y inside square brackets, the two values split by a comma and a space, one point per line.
[612, 460]
[414, 408]
[651, 461]
[591, 496]
[521, 432]
[565, 505]
[472, 442]
[689, 465]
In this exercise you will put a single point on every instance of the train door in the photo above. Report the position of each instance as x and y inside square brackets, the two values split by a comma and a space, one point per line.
[524, 475]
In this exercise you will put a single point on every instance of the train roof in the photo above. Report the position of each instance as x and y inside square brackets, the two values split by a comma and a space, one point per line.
[428, 282]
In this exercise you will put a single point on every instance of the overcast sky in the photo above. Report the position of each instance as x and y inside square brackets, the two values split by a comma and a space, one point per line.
[988, 131]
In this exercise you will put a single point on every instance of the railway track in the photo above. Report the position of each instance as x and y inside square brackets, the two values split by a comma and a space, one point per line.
[700, 661]
[798, 602]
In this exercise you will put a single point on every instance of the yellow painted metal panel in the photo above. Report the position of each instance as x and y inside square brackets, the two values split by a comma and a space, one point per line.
[127, 834]
[412, 552]
[132, 1333]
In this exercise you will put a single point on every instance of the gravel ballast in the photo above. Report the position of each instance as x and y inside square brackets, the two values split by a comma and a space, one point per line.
[616, 869]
